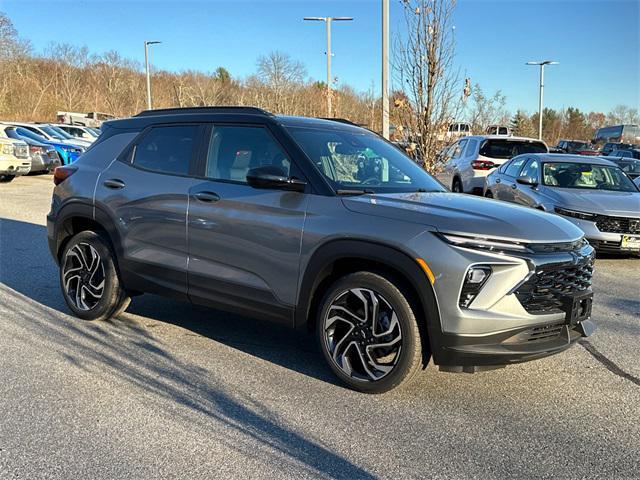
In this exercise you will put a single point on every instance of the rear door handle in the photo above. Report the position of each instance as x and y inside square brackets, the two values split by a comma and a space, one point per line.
[498, 180]
[514, 186]
[207, 197]
[114, 183]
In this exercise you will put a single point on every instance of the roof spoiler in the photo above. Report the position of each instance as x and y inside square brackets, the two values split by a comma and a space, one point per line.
[213, 109]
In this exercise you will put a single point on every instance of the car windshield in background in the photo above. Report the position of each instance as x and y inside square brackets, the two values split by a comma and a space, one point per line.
[23, 132]
[630, 166]
[587, 176]
[578, 145]
[52, 132]
[62, 132]
[510, 148]
[362, 161]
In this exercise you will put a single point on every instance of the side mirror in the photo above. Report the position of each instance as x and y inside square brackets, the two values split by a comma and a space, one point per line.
[272, 177]
[531, 181]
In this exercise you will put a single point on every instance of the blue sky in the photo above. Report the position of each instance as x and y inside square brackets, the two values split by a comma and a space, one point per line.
[597, 42]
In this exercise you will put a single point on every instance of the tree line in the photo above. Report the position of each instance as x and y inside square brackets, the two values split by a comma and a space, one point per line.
[428, 94]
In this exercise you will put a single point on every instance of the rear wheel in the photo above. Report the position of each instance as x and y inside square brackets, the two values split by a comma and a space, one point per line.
[89, 278]
[457, 186]
[368, 333]
[6, 178]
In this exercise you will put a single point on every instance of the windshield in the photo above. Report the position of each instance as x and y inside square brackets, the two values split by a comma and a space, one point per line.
[23, 132]
[510, 148]
[66, 135]
[52, 132]
[587, 176]
[630, 166]
[353, 160]
[578, 145]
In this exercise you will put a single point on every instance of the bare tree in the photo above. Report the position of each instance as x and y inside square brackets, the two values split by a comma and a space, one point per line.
[69, 62]
[424, 71]
[487, 110]
[281, 74]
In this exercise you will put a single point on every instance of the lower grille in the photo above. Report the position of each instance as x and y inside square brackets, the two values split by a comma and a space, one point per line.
[549, 285]
[545, 332]
[618, 224]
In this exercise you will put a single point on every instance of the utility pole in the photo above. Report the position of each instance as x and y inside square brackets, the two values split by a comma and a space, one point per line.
[385, 69]
[146, 62]
[541, 99]
[327, 21]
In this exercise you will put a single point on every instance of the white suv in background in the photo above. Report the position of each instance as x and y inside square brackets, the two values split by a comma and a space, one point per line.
[470, 159]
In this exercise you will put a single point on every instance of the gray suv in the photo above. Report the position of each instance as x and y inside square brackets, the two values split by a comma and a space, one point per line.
[319, 225]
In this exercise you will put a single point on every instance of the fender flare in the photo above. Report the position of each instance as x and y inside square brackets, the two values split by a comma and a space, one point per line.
[320, 266]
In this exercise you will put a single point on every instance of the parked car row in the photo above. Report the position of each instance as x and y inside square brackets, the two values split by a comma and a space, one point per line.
[46, 145]
[596, 193]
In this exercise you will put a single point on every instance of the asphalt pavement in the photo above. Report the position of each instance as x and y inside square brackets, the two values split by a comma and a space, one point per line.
[170, 390]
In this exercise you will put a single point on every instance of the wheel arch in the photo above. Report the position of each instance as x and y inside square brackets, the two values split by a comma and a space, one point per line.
[76, 217]
[341, 257]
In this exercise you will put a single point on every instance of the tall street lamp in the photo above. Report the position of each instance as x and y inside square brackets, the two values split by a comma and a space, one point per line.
[327, 21]
[385, 69]
[146, 62]
[541, 104]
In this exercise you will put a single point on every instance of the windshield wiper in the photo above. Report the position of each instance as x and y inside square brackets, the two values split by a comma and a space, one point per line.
[353, 191]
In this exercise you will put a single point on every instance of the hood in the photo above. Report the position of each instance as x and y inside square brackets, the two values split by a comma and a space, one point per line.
[468, 215]
[597, 201]
[75, 143]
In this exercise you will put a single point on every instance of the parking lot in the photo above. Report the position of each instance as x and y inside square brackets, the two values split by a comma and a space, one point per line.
[176, 391]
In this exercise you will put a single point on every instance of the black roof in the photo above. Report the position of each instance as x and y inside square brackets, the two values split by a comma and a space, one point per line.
[224, 113]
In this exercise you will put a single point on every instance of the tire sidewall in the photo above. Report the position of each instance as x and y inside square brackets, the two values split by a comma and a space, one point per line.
[411, 343]
[112, 291]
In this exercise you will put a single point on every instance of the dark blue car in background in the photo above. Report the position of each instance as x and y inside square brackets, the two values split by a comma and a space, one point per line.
[68, 153]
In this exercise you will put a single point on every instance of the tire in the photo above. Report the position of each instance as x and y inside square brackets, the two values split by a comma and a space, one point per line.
[6, 178]
[457, 186]
[89, 278]
[346, 339]
[488, 194]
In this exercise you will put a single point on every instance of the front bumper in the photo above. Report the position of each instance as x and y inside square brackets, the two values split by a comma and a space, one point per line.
[516, 316]
[604, 242]
[464, 353]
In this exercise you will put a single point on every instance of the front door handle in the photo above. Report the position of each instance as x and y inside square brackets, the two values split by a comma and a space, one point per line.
[114, 184]
[207, 197]
[498, 180]
[514, 186]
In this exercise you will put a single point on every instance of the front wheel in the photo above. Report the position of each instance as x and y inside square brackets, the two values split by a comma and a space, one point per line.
[6, 178]
[369, 334]
[457, 186]
[89, 278]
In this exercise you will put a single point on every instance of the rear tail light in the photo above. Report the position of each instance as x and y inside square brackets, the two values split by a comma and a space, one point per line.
[60, 174]
[483, 165]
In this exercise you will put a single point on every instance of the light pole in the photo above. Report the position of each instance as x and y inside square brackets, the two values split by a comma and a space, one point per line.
[385, 69]
[146, 62]
[327, 21]
[541, 104]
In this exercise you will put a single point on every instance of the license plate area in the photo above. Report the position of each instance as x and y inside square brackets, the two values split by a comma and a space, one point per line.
[578, 307]
[630, 242]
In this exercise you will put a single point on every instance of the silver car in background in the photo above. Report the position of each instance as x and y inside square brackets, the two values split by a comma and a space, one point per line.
[593, 193]
[469, 160]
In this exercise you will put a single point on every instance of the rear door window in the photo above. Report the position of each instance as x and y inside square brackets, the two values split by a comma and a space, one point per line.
[167, 149]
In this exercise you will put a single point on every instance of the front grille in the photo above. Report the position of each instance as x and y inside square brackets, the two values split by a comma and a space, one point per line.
[618, 224]
[21, 151]
[545, 290]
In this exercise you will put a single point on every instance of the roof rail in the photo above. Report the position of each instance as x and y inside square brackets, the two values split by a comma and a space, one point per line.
[341, 120]
[212, 109]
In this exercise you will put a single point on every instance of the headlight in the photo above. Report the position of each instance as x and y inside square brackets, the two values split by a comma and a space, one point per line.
[7, 149]
[574, 214]
[484, 243]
